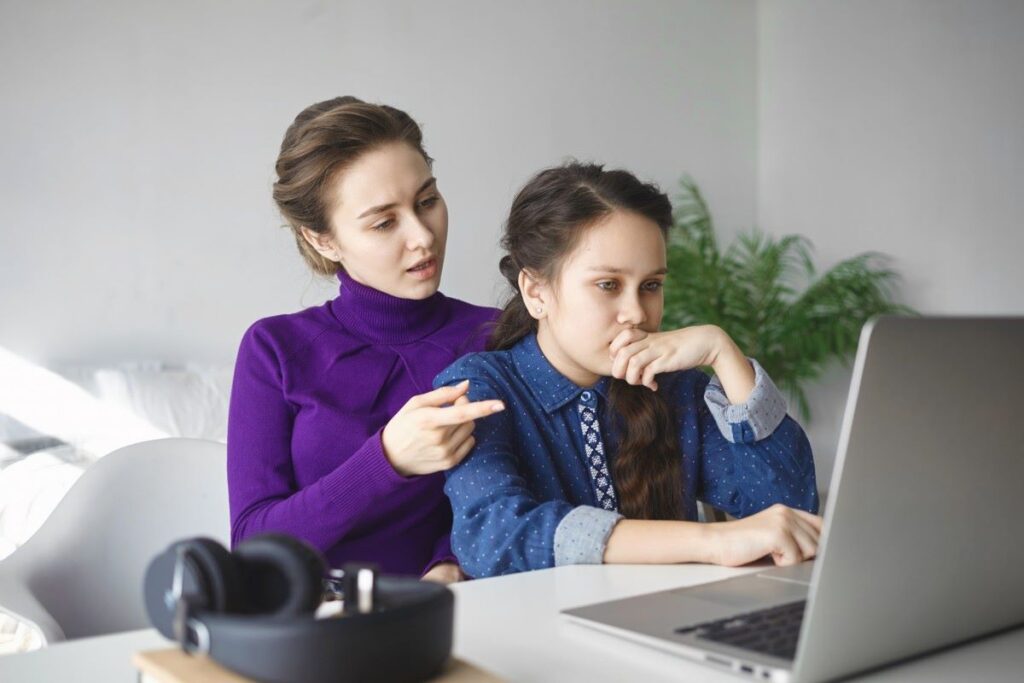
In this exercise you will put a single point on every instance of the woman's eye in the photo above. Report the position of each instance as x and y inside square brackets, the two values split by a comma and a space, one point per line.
[383, 225]
[428, 202]
[653, 286]
[608, 285]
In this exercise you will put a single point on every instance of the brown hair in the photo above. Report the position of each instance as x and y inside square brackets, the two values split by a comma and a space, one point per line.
[323, 140]
[547, 218]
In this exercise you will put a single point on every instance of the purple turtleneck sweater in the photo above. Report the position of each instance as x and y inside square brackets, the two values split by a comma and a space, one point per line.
[312, 391]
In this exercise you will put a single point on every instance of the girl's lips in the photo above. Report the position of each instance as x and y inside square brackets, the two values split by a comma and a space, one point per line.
[424, 272]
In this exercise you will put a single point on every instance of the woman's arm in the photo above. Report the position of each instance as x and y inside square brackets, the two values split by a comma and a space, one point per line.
[443, 565]
[423, 438]
[261, 484]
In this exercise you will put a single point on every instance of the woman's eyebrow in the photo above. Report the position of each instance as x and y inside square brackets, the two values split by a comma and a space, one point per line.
[384, 207]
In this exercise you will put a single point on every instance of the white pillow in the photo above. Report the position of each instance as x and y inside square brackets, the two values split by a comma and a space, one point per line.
[190, 401]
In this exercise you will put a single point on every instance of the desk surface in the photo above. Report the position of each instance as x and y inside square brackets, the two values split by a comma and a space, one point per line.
[511, 627]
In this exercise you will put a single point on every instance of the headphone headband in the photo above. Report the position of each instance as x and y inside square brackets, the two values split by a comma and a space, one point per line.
[406, 636]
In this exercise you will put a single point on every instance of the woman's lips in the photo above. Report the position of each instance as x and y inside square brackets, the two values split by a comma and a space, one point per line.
[425, 270]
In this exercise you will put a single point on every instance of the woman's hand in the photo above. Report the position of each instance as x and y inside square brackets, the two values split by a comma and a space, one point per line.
[638, 356]
[790, 536]
[445, 572]
[428, 435]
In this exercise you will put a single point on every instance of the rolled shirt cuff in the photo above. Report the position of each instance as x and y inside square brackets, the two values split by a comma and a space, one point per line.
[753, 420]
[582, 535]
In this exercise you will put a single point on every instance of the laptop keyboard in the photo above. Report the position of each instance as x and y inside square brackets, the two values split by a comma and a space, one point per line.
[772, 631]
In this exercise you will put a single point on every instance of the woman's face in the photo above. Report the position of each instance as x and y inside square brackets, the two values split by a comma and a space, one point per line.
[390, 223]
[612, 280]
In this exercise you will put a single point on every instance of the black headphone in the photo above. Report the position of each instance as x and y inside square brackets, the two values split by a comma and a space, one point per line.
[252, 611]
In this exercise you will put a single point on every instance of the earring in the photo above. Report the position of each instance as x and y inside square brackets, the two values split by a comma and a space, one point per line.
[539, 309]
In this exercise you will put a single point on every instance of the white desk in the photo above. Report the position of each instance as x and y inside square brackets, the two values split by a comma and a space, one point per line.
[510, 626]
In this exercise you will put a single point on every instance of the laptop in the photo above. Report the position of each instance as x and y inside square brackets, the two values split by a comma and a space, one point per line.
[922, 543]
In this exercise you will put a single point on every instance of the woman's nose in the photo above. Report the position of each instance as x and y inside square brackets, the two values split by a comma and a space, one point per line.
[420, 236]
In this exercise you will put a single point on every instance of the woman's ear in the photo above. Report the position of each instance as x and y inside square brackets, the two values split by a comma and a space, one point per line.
[322, 242]
[534, 293]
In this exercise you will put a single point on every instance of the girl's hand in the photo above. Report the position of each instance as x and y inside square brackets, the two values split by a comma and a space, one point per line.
[638, 356]
[445, 572]
[790, 536]
[425, 436]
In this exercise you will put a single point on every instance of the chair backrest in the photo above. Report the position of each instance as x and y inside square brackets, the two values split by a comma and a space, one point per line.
[85, 565]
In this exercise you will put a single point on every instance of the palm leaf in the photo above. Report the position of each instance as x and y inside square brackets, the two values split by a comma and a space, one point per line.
[766, 294]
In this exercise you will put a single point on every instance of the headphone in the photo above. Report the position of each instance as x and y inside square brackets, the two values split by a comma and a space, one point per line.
[252, 611]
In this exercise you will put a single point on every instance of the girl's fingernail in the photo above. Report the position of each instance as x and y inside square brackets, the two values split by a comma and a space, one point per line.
[497, 407]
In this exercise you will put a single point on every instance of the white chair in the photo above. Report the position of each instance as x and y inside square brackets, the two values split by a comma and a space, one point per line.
[81, 573]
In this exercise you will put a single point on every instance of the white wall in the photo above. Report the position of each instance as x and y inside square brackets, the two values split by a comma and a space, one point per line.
[139, 139]
[897, 126]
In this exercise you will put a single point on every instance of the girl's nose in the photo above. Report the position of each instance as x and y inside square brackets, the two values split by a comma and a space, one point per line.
[632, 314]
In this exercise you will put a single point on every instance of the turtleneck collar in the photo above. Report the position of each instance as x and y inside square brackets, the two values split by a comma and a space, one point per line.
[383, 318]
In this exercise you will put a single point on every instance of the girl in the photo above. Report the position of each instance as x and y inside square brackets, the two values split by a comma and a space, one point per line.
[611, 435]
[334, 436]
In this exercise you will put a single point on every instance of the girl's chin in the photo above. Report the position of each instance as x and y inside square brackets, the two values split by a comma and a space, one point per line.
[604, 368]
[596, 371]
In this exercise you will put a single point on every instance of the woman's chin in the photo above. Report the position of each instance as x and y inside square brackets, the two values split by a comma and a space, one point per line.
[420, 289]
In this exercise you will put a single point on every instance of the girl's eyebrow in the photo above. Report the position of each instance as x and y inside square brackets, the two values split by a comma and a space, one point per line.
[613, 269]
[385, 207]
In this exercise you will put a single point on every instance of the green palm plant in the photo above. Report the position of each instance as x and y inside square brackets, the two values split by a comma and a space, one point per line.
[766, 294]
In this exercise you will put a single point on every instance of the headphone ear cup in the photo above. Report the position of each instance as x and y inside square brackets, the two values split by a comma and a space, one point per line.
[218, 575]
[210, 581]
[280, 575]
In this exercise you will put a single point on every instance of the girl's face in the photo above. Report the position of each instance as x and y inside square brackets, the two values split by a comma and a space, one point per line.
[611, 281]
[389, 223]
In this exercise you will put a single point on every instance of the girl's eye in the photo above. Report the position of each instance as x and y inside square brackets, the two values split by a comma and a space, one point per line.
[383, 225]
[608, 285]
[653, 285]
[428, 202]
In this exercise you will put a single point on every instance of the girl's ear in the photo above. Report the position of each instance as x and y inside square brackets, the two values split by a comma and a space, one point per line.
[323, 243]
[534, 293]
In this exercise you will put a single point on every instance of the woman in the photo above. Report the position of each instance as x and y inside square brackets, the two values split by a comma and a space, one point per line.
[611, 435]
[334, 434]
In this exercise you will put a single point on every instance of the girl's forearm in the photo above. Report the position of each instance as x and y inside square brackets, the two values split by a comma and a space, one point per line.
[734, 371]
[641, 541]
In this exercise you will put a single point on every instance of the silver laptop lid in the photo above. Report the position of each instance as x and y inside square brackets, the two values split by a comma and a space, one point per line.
[923, 539]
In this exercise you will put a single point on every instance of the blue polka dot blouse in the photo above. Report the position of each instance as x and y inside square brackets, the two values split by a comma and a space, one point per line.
[531, 495]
